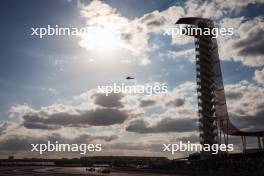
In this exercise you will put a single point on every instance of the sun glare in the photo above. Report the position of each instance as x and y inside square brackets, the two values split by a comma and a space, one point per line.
[101, 39]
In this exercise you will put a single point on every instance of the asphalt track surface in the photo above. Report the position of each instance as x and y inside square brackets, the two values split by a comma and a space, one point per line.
[62, 171]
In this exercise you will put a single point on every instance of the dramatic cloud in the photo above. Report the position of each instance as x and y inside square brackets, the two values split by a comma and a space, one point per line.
[246, 105]
[217, 8]
[90, 109]
[163, 126]
[112, 100]
[245, 45]
[252, 45]
[41, 126]
[235, 5]
[183, 95]
[95, 117]
[244, 98]
[129, 34]
[134, 34]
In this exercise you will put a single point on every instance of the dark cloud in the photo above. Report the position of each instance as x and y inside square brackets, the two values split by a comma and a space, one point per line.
[176, 103]
[112, 100]
[96, 117]
[253, 45]
[80, 139]
[163, 126]
[23, 142]
[246, 105]
[19, 142]
[145, 103]
[139, 126]
[251, 123]
[3, 127]
[33, 125]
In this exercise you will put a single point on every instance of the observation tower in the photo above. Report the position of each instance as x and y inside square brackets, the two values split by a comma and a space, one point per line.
[214, 124]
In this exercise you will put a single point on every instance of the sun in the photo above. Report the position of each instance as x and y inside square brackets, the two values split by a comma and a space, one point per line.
[103, 39]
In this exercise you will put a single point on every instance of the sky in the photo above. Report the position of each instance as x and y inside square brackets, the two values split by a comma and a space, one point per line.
[48, 85]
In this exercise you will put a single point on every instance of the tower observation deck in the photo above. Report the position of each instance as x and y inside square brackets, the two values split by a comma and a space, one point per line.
[214, 123]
